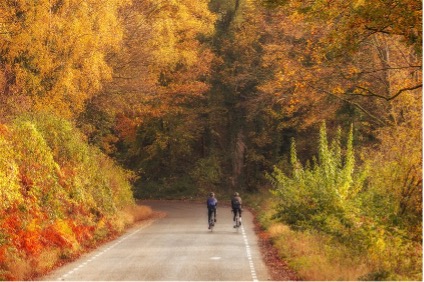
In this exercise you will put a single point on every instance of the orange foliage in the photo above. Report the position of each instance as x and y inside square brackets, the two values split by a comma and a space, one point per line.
[24, 238]
[3, 250]
[53, 237]
[3, 129]
[126, 127]
[59, 69]
[83, 233]
[28, 241]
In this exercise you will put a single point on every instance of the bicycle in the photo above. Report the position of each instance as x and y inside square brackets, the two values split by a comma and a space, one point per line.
[212, 222]
[237, 223]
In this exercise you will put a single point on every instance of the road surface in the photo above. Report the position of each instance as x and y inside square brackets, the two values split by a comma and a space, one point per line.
[178, 247]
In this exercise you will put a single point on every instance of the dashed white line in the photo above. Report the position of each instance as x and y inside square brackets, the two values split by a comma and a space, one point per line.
[249, 255]
[102, 252]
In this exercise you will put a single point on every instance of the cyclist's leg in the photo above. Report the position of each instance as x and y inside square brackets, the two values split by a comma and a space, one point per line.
[209, 215]
[214, 214]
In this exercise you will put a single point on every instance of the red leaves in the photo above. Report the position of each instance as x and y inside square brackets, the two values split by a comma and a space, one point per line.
[48, 206]
[29, 241]
[83, 233]
[3, 250]
[19, 234]
[53, 237]
[127, 127]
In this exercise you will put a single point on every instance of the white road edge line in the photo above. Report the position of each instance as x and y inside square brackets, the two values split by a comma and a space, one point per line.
[148, 222]
[249, 256]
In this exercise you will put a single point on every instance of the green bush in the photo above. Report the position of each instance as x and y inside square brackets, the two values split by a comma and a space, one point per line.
[321, 196]
[355, 205]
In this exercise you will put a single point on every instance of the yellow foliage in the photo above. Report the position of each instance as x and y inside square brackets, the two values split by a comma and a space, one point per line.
[56, 49]
[175, 26]
[67, 234]
[9, 181]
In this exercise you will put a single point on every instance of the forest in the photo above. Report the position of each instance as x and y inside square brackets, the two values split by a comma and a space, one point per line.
[312, 110]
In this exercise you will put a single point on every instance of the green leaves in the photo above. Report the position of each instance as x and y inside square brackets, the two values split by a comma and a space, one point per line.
[319, 197]
[374, 208]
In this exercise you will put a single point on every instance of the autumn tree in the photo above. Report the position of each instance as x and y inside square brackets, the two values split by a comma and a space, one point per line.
[52, 53]
[344, 52]
[155, 97]
[358, 61]
[242, 128]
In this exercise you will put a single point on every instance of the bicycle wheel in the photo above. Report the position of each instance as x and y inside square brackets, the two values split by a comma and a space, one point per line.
[237, 223]
[211, 223]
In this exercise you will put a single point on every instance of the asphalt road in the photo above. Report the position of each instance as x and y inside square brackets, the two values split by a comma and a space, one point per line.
[178, 247]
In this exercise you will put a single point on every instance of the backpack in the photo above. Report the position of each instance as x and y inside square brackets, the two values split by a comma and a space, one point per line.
[211, 203]
[235, 203]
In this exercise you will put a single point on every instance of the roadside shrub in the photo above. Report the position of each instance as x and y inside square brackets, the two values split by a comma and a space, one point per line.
[371, 210]
[320, 196]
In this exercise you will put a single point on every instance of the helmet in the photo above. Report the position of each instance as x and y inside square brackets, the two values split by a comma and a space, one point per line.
[236, 194]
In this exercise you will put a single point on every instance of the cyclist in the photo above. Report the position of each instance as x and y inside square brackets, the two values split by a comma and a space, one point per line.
[236, 207]
[211, 204]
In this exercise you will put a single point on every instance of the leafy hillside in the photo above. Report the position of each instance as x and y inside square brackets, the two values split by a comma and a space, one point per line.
[59, 195]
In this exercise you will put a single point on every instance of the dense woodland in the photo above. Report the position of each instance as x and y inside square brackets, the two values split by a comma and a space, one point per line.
[317, 102]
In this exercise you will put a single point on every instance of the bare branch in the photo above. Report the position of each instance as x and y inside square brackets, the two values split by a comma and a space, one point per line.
[418, 67]
[369, 93]
[350, 102]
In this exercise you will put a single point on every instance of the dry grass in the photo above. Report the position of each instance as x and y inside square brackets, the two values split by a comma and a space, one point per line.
[314, 257]
[137, 213]
[47, 259]
[18, 269]
[131, 215]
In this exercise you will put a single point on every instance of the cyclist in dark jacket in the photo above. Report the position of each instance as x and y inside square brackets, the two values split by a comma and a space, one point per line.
[236, 203]
[211, 204]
